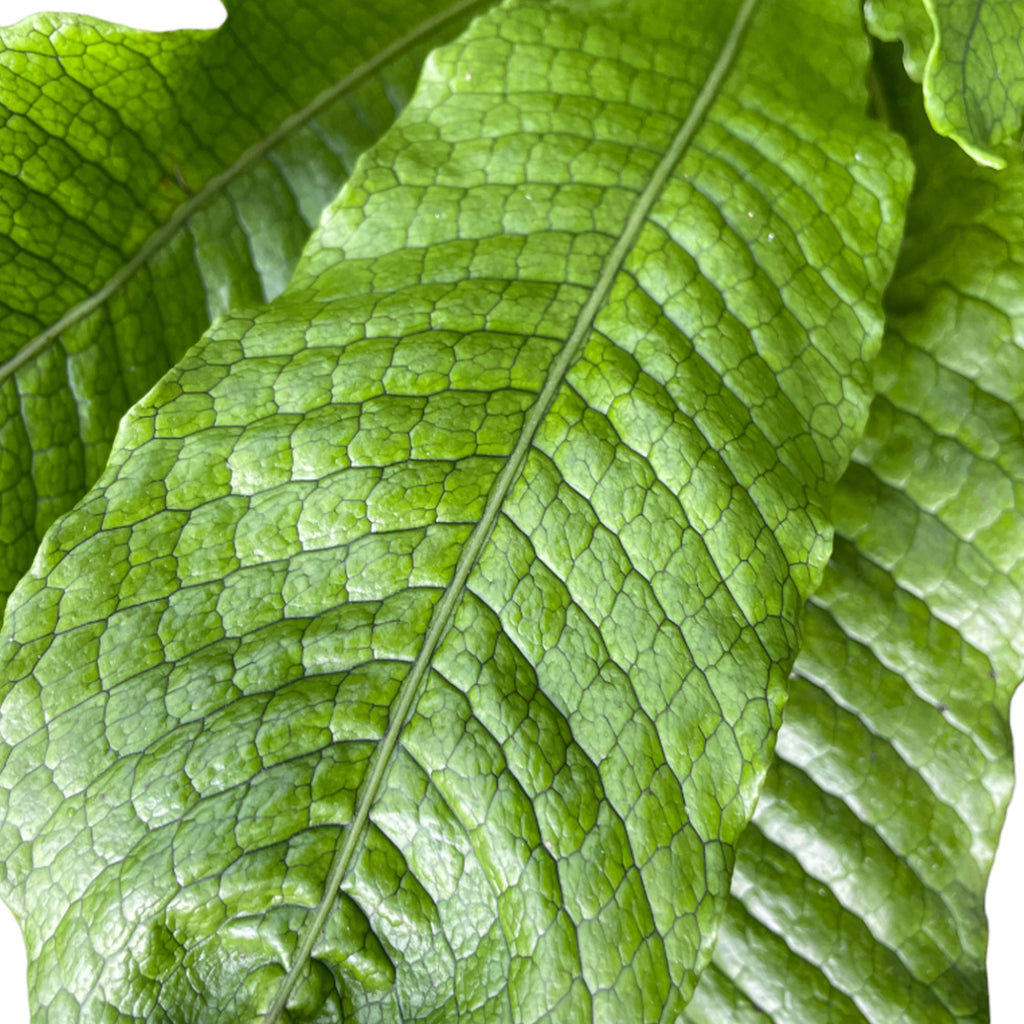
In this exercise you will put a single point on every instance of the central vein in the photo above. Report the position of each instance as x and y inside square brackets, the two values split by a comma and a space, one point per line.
[444, 611]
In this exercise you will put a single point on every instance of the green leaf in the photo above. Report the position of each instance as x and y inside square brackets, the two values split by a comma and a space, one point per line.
[151, 182]
[907, 22]
[969, 57]
[429, 627]
[859, 887]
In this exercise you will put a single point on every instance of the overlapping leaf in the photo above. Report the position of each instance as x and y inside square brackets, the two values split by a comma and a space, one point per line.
[430, 626]
[150, 182]
[859, 888]
[969, 57]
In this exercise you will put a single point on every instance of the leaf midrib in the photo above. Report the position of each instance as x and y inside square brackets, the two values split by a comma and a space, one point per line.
[444, 611]
[213, 188]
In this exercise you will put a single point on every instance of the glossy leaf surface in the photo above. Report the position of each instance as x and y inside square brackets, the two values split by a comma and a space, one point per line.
[430, 626]
[151, 182]
[859, 887]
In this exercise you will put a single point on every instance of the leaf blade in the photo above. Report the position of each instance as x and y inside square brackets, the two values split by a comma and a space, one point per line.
[443, 616]
[596, 723]
[130, 225]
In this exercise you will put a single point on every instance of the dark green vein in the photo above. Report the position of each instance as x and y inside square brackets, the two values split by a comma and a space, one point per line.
[444, 612]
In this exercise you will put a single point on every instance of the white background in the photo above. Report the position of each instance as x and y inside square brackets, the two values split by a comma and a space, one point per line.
[1005, 901]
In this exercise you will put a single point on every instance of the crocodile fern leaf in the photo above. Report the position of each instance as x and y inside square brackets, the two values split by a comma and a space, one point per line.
[420, 651]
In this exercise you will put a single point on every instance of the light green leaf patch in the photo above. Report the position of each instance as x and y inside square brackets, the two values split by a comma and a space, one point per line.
[969, 57]
[151, 182]
[431, 624]
[907, 22]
